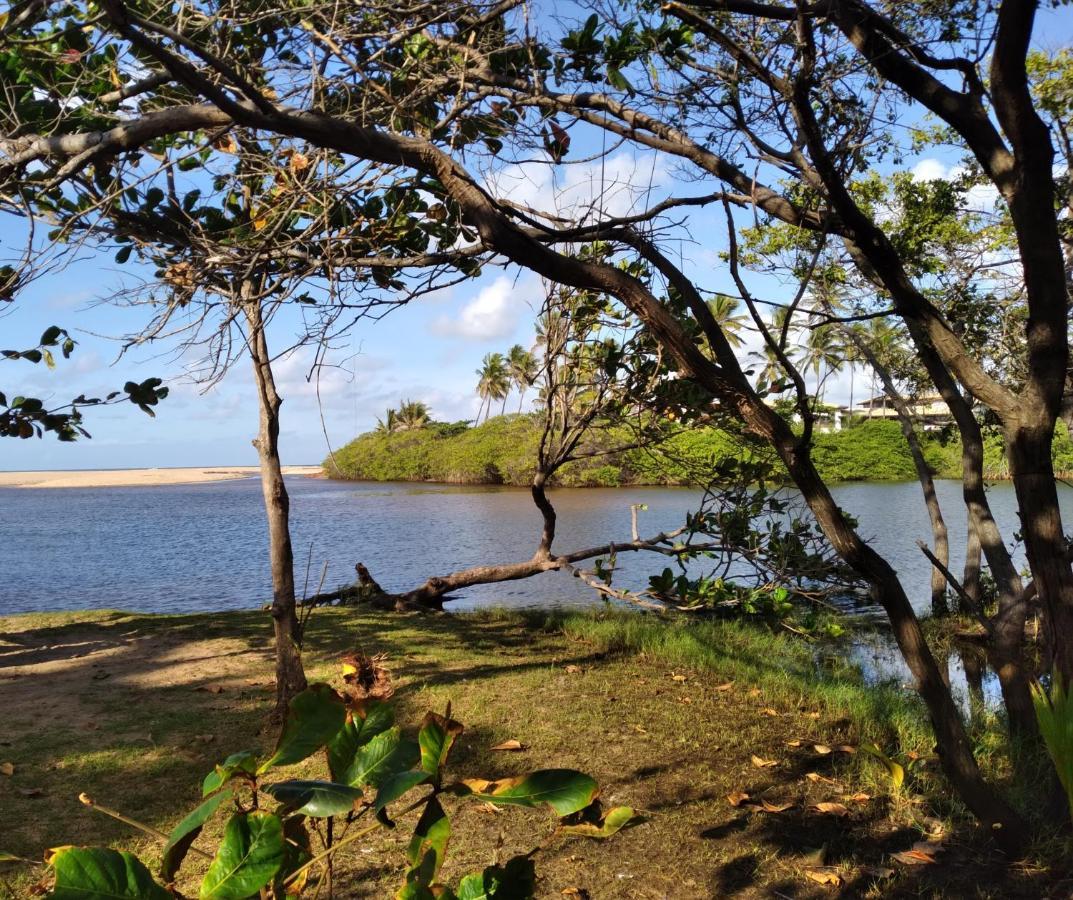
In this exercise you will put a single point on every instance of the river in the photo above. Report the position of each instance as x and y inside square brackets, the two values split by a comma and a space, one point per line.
[193, 548]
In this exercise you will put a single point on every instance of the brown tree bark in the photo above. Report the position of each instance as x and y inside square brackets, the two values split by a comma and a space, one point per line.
[939, 535]
[290, 675]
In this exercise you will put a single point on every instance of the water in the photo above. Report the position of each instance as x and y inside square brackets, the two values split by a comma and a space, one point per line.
[194, 548]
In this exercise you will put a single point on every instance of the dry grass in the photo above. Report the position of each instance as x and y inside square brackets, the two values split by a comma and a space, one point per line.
[136, 709]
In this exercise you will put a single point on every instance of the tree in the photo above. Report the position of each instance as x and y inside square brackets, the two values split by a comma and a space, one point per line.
[523, 370]
[412, 414]
[724, 310]
[493, 382]
[680, 79]
[824, 354]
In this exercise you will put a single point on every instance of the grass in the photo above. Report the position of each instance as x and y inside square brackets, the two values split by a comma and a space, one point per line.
[135, 709]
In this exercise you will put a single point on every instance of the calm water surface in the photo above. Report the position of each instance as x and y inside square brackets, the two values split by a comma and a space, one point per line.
[189, 548]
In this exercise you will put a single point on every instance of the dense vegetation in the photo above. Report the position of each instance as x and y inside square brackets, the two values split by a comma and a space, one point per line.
[503, 451]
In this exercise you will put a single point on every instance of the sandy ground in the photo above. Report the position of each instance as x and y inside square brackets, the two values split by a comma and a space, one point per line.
[139, 477]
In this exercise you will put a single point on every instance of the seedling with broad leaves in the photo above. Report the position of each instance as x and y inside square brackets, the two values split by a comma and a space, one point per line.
[376, 774]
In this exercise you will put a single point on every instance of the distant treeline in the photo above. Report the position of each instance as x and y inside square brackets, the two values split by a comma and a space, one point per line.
[503, 450]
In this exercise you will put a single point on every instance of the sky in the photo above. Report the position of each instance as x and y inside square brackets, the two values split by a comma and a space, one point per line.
[427, 351]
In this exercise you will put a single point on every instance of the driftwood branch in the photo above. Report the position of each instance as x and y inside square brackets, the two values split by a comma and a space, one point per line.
[966, 598]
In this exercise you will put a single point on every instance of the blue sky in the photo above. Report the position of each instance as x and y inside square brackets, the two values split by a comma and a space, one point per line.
[426, 351]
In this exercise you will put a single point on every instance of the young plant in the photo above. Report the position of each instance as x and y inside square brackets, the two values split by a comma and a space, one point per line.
[375, 772]
[1054, 712]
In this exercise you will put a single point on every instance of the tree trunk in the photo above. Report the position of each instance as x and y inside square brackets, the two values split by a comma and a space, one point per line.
[1028, 449]
[290, 676]
[939, 535]
[952, 742]
[970, 579]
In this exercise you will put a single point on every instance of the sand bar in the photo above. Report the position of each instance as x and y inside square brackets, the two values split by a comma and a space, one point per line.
[139, 477]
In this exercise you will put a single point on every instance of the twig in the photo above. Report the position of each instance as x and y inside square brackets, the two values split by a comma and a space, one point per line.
[964, 595]
[87, 800]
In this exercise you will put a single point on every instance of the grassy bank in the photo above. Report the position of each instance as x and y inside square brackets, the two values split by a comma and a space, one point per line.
[135, 709]
[503, 450]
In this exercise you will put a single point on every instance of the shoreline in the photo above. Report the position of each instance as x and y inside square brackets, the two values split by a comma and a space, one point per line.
[99, 478]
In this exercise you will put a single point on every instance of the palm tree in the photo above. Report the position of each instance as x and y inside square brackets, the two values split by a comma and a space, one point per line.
[493, 383]
[825, 353]
[723, 310]
[412, 414]
[884, 339]
[388, 424]
[522, 367]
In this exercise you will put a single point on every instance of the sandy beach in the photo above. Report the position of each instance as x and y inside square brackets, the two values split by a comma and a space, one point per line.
[139, 477]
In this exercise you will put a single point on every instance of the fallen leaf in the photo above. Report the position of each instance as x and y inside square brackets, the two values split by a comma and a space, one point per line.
[210, 688]
[728, 686]
[639, 729]
[762, 763]
[490, 808]
[822, 749]
[685, 700]
[7, 768]
[845, 748]
[675, 677]
[576, 892]
[768, 711]
[737, 798]
[859, 797]
[826, 875]
[776, 807]
[817, 778]
[812, 715]
[877, 871]
[828, 808]
[511, 745]
[572, 669]
[32, 792]
[930, 847]
[203, 738]
[914, 858]
[299, 162]
[755, 692]
[793, 743]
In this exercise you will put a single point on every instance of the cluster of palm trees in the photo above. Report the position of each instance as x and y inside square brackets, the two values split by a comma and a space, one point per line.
[826, 349]
[411, 415]
[500, 373]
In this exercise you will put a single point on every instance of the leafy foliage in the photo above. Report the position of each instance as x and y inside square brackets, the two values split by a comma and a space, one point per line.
[266, 851]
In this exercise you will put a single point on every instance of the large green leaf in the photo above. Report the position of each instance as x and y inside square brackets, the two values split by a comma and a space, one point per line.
[317, 799]
[613, 821]
[186, 832]
[386, 754]
[437, 736]
[379, 717]
[243, 761]
[394, 786]
[564, 790]
[247, 859]
[97, 873]
[428, 846]
[314, 717]
[514, 881]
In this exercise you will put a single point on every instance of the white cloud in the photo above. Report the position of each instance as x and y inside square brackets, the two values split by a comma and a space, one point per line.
[619, 185]
[491, 315]
[932, 170]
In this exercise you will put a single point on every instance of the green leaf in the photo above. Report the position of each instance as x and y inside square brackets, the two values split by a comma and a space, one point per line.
[386, 754]
[50, 336]
[248, 857]
[436, 738]
[428, 847]
[185, 833]
[317, 799]
[895, 770]
[97, 873]
[243, 761]
[313, 719]
[394, 786]
[564, 790]
[356, 733]
[613, 821]
[514, 881]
